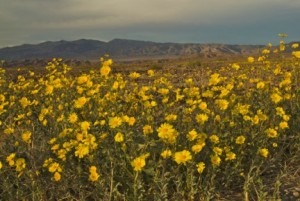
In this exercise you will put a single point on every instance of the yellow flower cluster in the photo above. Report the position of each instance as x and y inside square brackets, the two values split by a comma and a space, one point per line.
[146, 123]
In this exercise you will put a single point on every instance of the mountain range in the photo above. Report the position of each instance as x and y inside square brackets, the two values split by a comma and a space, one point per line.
[120, 49]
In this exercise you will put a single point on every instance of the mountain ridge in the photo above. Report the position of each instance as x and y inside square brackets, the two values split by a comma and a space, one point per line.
[120, 49]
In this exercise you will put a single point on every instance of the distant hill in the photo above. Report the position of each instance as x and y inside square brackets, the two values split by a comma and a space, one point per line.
[120, 49]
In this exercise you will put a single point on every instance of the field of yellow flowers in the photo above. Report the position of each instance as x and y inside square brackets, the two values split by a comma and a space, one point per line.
[111, 136]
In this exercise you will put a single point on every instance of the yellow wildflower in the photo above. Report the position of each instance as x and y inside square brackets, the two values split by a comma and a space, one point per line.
[85, 125]
[54, 167]
[217, 150]
[214, 139]
[198, 147]
[296, 54]
[215, 160]
[134, 75]
[166, 154]
[203, 106]
[57, 176]
[200, 167]
[26, 136]
[182, 157]
[81, 150]
[24, 102]
[8, 131]
[264, 152]
[105, 70]
[222, 104]
[250, 59]
[283, 125]
[260, 85]
[192, 135]
[201, 118]
[20, 164]
[80, 102]
[214, 79]
[230, 156]
[276, 98]
[73, 118]
[240, 139]
[82, 79]
[147, 129]
[94, 176]
[272, 133]
[235, 66]
[138, 163]
[295, 45]
[119, 137]
[115, 122]
[167, 133]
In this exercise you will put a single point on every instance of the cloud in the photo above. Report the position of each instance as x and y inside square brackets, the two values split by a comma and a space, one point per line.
[22, 20]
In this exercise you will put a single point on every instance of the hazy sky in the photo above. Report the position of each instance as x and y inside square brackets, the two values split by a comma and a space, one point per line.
[201, 21]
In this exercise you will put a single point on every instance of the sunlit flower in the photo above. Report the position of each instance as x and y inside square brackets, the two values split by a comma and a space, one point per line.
[94, 176]
[265, 51]
[171, 117]
[150, 73]
[215, 160]
[20, 164]
[119, 137]
[72, 118]
[138, 163]
[53, 167]
[147, 129]
[230, 156]
[250, 59]
[115, 122]
[81, 150]
[214, 139]
[26, 136]
[217, 150]
[82, 79]
[276, 98]
[131, 121]
[272, 133]
[264, 152]
[134, 75]
[295, 45]
[235, 66]
[214, 79]
[222, 104]
[182, 157]
[201, 118]
[9, 131]
[296, 54]
[105, 70]
[240, 139]
[283, 125]
[24, 102]
[260, 85]
[80, 102]
[200, 167]
[203, 106]
[167, 133]
[192, 135]
[57, 176]
[85, 125]
[198, 147]
[166, 154]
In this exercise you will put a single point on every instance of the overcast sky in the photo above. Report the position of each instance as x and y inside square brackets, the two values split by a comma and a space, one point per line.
[200, 21]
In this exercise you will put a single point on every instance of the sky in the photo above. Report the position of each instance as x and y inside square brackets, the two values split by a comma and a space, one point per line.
[183, 21]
